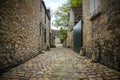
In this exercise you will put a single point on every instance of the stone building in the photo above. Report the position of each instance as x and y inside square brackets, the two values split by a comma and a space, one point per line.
[52, 41]
[75, 15]
[22, 31]
[54, 35]
[48, 29]
[101, 31]
[44, 22]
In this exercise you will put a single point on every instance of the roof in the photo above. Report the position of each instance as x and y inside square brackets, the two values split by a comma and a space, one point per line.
[47, 11]
[77, 10]
[77, 13]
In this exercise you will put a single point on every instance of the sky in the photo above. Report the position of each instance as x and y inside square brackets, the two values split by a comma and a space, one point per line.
[53, 5]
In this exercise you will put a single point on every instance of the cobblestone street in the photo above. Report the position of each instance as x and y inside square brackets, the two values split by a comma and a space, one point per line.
[60, 64]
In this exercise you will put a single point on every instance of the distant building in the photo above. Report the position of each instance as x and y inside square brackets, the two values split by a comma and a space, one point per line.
[54, 36]
[55, 33]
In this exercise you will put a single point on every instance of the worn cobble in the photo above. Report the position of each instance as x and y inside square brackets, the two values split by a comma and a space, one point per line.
[60, 64]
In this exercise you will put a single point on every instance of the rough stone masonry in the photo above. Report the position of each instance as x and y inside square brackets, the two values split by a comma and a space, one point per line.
[19, 31]
[102, 34]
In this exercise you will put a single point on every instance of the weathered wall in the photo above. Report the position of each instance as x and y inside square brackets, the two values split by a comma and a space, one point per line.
[48, 30]
[19, 31]
[43, 25]
[102, 34]
[52, 40]
[75, 15]
[87, 28]
[70, 29]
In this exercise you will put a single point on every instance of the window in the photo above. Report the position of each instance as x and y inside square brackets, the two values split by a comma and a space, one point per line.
[40, 7]
[45, 35]
[95, 7]
[45, 16]
[40, 27]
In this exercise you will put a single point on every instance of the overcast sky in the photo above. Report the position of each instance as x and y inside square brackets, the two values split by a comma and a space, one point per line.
[53, 5]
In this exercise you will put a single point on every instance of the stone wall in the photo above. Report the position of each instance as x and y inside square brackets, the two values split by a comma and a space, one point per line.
[19, 31]
[43, 25]
[48, 28]
[75, 14]
[87, 28]
[52, 40]
[70, 29]
[102, 34]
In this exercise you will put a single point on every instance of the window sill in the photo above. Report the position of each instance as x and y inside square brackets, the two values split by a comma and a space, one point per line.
[95, 16]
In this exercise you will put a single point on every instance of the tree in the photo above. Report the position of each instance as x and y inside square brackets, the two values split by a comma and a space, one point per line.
[63, 34]
[61, 19]
[75, 3]
[61, 16]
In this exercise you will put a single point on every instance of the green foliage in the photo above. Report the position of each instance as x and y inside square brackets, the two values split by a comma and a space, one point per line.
[61, 16]
[63, 33]
[75, 3]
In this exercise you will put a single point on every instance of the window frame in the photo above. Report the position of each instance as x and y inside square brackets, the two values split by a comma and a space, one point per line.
[96, 8]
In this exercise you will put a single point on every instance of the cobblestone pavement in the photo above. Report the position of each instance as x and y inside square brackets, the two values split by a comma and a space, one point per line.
[60, 64]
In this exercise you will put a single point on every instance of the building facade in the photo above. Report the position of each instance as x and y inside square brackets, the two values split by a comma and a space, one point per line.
[22, 31]
[75, 15]
[43, 26]
[55, 35]
[101, 31]
[48, 29]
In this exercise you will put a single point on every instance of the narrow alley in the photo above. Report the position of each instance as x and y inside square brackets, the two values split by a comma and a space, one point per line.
[59, 40]
[60, 64]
